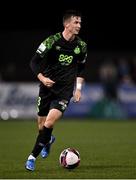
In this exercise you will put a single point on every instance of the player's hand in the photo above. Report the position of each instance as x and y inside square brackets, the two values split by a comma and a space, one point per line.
[47, 82]
[77, 95]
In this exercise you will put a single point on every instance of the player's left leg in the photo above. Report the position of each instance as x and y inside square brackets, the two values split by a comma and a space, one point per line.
[52, 117]
[57, 108]
[46, 149]
[41, 121]
[44, 136]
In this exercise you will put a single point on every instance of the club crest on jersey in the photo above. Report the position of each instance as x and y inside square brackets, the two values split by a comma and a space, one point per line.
[77, 50]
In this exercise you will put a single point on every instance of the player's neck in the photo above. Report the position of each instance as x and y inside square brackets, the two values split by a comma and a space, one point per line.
[68, 36]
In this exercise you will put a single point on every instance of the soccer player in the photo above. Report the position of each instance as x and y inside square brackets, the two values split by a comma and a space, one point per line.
[59, 64]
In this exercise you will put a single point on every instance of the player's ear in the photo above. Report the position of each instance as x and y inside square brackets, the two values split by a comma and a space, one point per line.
[65, 24]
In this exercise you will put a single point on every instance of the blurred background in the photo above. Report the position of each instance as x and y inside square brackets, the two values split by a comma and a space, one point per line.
[109, 30]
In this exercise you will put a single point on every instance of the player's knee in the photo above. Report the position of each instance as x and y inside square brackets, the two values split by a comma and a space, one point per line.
[40, 126]
[41, 121]
[49, 124]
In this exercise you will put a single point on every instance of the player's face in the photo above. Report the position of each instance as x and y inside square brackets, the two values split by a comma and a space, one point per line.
[74, 24]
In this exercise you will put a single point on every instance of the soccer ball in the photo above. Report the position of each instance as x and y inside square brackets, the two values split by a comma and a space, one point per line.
[69, 158]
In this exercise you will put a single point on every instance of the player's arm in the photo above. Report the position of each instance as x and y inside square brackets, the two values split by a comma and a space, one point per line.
[80, 78]
[45, 80]
[36, 62]
[79, 83]
[35, 65]
[78, 88]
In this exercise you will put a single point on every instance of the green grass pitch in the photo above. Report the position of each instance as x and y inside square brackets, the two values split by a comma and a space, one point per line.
[107, 149]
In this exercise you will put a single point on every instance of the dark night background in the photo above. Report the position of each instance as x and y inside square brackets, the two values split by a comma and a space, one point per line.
[107, 27]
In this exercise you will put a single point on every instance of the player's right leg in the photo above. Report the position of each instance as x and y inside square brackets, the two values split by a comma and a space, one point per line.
[30, 163]
[44, 138]
[44, 135]
[41, 120]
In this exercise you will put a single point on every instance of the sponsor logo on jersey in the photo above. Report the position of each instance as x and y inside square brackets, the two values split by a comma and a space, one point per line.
[65, 59]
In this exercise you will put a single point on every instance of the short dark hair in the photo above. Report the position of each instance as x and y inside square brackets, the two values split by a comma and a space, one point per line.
[69, 13]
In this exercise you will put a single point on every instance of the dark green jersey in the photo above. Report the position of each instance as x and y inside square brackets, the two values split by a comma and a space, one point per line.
[61, 60]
